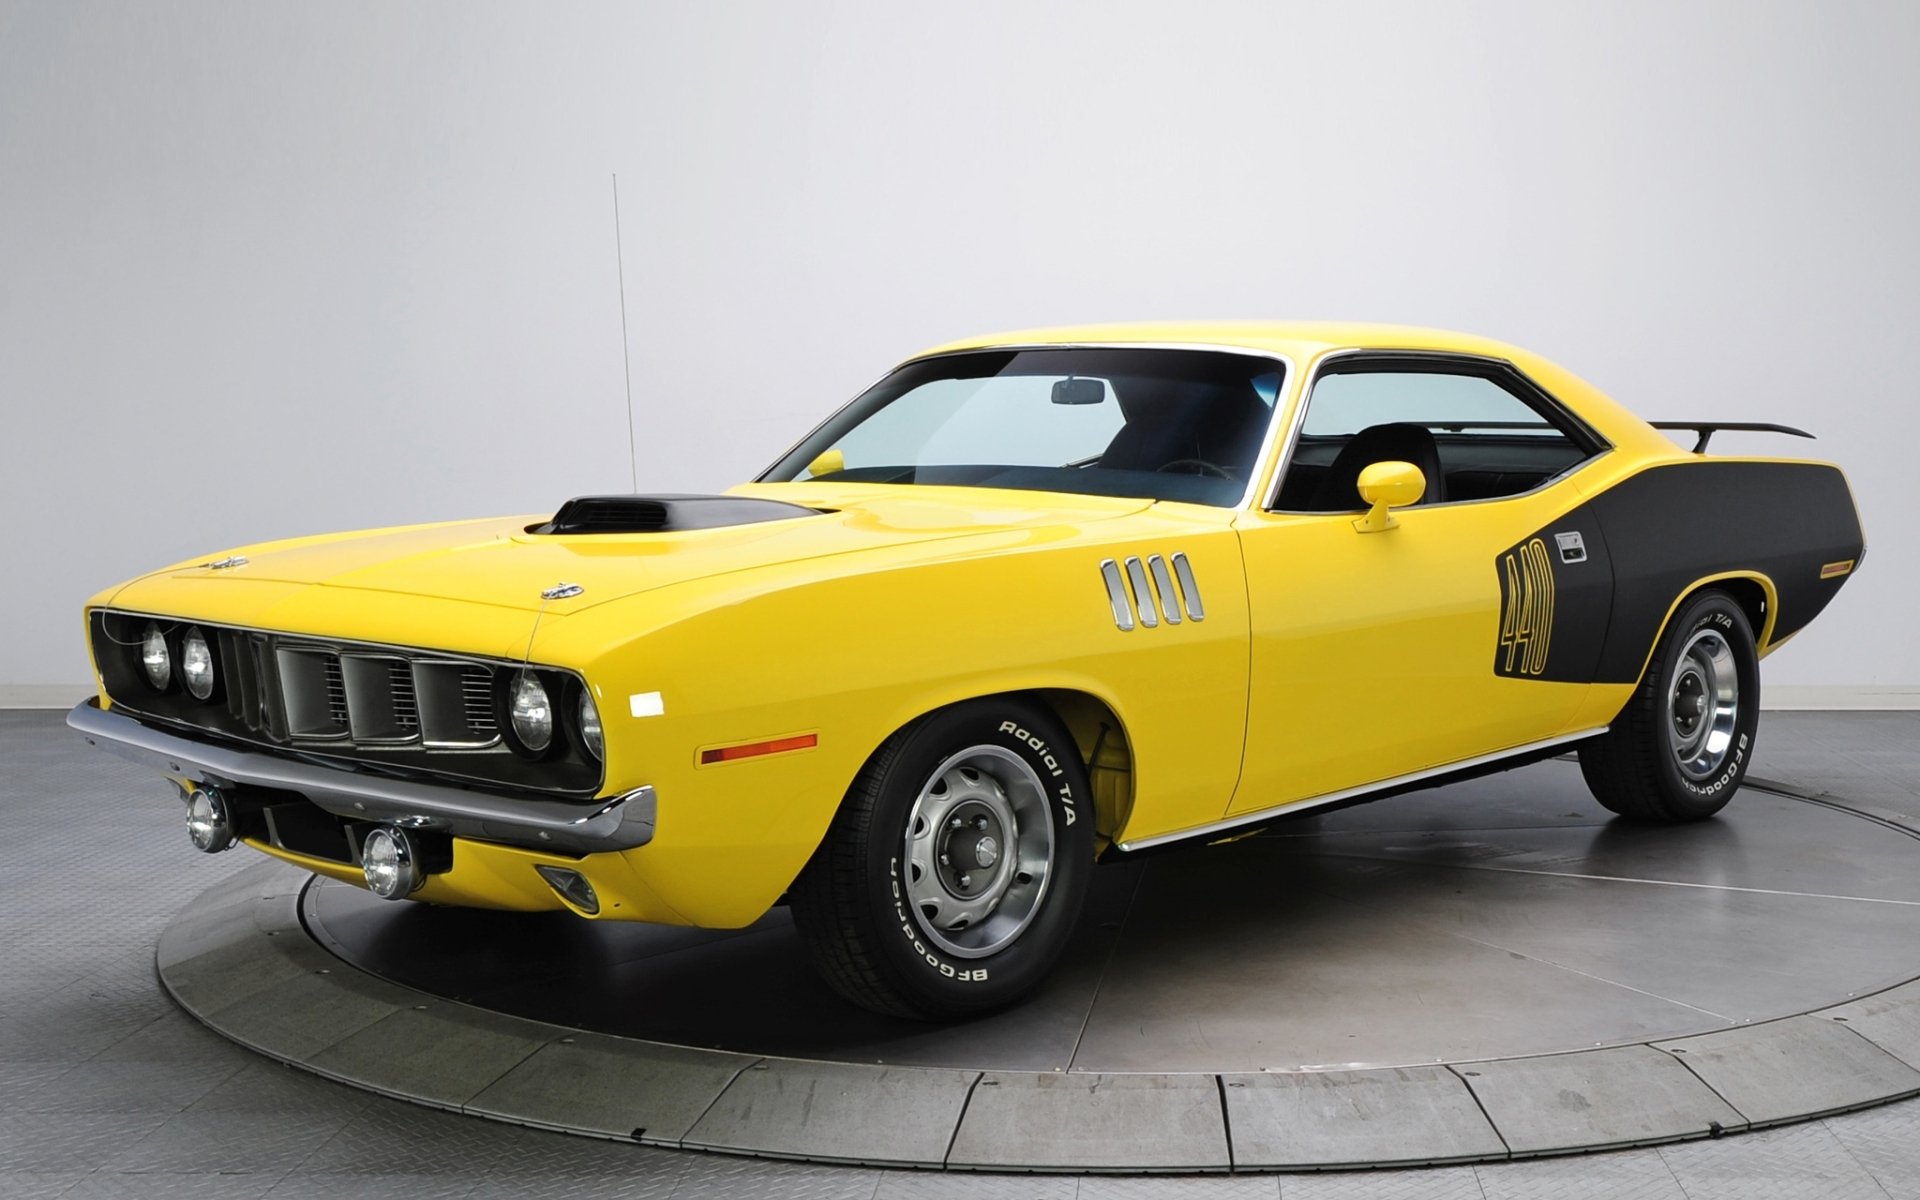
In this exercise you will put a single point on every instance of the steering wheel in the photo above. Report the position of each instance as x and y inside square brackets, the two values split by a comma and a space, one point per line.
[1195, 466]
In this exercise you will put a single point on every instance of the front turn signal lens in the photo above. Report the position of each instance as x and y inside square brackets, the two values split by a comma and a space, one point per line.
[572, 887]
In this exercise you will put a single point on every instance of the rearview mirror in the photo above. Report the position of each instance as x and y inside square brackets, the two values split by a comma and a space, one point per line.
[1079, 391]
[1388, 485]
[829, 462]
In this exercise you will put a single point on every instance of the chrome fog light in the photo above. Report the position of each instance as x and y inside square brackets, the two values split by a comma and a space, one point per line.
[530, 712]
[590, 731]
[207, 823]
[196, 665]
[572, 886]
[391, 863]
[156, 658]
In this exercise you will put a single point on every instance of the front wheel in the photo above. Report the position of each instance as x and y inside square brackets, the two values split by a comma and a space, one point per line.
[1680, 748]
[954, 872]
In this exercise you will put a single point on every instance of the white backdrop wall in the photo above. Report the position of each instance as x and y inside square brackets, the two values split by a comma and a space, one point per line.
[274, 269]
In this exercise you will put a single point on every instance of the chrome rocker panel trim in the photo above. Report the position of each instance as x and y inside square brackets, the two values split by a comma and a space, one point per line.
[1241, 820]
[620, 823]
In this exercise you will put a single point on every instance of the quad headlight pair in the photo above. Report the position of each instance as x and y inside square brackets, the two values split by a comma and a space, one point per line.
[197, 673]
[530, 712]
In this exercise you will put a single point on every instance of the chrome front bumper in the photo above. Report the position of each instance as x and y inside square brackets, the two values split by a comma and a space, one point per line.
[619, 823]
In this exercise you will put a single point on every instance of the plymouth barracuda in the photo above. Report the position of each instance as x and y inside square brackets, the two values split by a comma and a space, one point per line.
[1028, 603]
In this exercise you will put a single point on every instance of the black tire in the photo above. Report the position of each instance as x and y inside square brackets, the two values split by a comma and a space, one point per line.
[1658, 762]
[854, 904]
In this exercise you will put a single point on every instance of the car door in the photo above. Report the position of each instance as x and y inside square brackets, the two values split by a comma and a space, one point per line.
[1381, 655]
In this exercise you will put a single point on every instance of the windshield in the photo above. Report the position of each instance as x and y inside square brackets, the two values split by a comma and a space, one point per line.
[1156, 424]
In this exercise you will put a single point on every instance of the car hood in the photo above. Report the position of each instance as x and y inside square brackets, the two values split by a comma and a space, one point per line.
[497, 562]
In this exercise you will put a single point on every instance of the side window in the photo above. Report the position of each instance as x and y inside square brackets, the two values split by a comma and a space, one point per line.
[1476, 430]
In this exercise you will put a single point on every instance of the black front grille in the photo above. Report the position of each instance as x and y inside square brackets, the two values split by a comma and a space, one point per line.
[406, 703]
[336, 686]
[249, 682]
[383, 698]
[476, 701]
[405, 709]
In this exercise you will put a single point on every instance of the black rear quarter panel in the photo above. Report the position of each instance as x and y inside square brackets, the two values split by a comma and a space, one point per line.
[1666, 528]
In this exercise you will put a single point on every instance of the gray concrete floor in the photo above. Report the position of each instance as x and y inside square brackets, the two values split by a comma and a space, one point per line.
[106, 1089]
[1490, 919]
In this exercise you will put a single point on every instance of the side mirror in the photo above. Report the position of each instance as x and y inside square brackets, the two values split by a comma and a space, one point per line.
[1388, 485]
[829, 462]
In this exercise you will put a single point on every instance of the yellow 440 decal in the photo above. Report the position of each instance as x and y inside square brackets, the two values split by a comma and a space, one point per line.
[1526, 609]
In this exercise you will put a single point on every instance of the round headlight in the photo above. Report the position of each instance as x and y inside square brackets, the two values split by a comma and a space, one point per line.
[590, 731]
[196, 665]
[156, 658]
[391, 867]
[531, 714]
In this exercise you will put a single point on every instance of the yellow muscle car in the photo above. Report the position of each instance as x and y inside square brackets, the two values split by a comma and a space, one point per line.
[1027, 603]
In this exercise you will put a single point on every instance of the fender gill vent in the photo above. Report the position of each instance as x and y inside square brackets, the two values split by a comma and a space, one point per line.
[665, 513]
[1153, 597]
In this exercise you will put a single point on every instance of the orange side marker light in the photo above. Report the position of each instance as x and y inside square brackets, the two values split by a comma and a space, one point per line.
[720, 754]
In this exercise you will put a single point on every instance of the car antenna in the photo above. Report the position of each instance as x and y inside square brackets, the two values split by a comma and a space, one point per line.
[559, 591]
[626, 352]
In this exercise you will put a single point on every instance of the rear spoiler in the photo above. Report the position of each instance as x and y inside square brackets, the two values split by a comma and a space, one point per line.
[1706, 429]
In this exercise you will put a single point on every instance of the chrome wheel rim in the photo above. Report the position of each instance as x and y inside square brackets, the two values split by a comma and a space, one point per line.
[979, 851]
[1703, 704]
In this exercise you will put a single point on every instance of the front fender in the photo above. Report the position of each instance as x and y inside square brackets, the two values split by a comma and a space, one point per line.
[831, 663]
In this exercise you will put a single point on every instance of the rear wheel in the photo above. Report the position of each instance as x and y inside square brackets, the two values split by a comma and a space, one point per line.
[955, 870]
[1680, 748]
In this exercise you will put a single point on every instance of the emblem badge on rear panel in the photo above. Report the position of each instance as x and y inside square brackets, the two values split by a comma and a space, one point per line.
[1573, 547]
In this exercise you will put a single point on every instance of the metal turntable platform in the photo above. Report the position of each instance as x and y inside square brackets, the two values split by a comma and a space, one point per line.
[1491, 970]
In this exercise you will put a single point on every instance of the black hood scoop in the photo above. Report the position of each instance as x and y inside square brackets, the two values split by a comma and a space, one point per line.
[666, 513]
